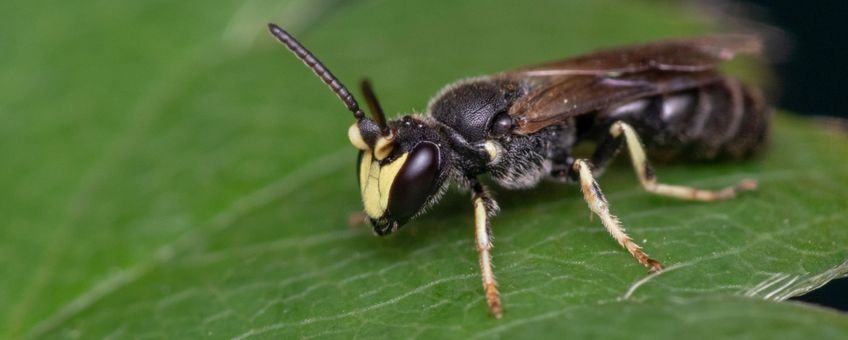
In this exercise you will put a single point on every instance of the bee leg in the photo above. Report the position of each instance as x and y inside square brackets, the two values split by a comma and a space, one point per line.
[599, 205]
[646, 174]
[484, 208]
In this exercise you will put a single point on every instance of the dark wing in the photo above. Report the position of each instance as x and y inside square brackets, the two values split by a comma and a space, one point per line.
[591, 82]
[686, 55]
[561, 97]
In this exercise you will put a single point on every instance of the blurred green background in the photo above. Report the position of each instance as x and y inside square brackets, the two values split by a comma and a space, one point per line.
[169, 171]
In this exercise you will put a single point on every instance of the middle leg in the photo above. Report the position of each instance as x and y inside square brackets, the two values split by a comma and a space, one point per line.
[599, 205]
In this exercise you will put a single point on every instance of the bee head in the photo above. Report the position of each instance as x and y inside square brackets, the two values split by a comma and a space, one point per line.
[401, 174]
[403, 164]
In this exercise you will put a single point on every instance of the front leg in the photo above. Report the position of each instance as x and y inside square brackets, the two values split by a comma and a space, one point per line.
[599, 205]
[485, 207]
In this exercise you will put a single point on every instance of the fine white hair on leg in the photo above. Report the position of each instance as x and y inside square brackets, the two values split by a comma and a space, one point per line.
[484, 208]
[598, 204]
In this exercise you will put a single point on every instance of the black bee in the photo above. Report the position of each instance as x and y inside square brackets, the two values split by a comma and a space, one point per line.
[520, 127]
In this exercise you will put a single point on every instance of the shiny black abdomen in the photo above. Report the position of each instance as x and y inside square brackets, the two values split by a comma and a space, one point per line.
[724, 119]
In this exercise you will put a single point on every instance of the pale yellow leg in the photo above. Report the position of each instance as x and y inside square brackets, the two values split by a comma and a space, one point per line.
[649, 180]
[483, 238]
[598, 204]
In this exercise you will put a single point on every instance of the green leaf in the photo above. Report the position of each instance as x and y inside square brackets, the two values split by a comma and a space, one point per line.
[171, 172]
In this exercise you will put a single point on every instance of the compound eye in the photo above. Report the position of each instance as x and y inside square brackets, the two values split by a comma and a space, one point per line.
[415, 181]
[502, 124]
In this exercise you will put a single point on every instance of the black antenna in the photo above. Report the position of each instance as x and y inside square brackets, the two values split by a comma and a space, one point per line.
[316, 66]
[373, 104]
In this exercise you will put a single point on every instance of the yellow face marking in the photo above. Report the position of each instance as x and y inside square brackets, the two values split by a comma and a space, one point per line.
[369, 172]
[387, 176]
[375, 183]
[384, 146]
[356, 137]
[364, 170]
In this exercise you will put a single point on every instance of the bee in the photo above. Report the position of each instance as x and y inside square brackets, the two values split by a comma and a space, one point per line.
[520, 127]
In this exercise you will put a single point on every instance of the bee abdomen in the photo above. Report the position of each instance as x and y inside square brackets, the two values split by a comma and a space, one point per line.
[729, 120]
[724, 119]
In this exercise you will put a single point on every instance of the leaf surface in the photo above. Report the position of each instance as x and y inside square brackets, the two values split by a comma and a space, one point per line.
[175, 173]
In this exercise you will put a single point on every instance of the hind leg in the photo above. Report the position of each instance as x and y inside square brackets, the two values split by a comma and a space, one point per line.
[621, 132]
